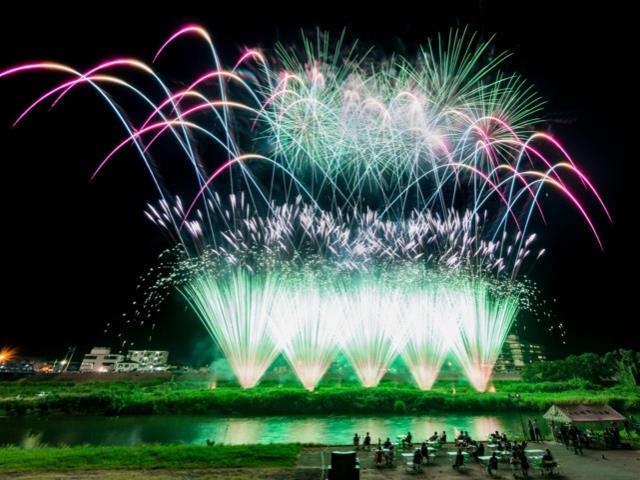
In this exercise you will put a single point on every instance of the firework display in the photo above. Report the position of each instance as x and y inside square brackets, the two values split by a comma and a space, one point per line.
[342, 203]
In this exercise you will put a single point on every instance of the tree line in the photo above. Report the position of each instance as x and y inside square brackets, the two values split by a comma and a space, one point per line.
[618, 367]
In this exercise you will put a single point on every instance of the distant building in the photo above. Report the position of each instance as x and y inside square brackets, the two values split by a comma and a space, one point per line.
[100, 359]
[17, 365]
[127, 367]
[144, 361]
[517, 353]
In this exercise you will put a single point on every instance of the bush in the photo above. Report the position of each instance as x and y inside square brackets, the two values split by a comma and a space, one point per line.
[399, 407]
[121, 399]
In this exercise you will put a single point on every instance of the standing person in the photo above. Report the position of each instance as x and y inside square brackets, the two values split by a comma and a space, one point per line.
[417, 460]
[615, 433]
[564, 434]
[459, 461]
[524, 464]
[538, 433]
[532, 433]
[515, 462]
[424, 450]
[356, 441]
[366, 444]
[576, 441]
[493, 464]
[377, 456]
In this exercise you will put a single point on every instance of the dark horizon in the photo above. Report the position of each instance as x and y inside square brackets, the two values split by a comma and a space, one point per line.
[78, 247]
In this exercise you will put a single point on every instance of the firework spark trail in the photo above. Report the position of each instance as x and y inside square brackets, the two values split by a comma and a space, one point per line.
[426, 322]
[305, 323]
[236, 310]
[371, 335]
[295, 231]
[344, 126]
[483, 323]
[411, 184]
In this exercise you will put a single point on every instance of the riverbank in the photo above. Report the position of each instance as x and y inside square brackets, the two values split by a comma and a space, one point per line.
[310, 464]
[169, 397]
[14, 459]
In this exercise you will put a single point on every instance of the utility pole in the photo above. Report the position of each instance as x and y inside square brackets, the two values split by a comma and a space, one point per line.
[68, 357]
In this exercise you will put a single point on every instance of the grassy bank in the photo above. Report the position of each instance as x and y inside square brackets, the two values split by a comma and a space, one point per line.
[148, 456]
[176, 398]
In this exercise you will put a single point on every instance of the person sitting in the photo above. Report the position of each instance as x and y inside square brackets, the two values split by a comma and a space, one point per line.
[433, 437]
[366, 444]
[417, 460]
[459, 461]
[479, 452]
[493, 464]
[387, 443]
[390, 455]
[356, 441]
[548, 463]
[406, 441]
[443, 437]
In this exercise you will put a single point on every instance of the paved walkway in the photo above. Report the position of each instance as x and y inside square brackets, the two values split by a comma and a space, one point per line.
[594, 464]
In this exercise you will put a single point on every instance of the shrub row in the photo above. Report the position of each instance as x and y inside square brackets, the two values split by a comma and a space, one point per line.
[294, 400]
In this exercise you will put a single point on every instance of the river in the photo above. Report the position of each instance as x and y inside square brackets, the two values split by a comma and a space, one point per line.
[191, 429]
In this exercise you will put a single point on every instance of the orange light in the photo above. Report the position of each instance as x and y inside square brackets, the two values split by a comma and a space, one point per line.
[7, 354]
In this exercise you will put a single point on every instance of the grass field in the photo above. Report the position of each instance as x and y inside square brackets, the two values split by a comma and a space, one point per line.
[148, 456]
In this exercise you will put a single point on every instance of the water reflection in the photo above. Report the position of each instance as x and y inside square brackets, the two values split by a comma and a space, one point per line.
[245, 431]
[336, 430]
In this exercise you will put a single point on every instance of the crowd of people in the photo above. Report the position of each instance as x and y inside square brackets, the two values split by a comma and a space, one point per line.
[504, 450]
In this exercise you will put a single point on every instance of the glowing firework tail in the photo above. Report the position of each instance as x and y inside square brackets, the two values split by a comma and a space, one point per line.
[305, 323]
[236, 310]
[426, 317]
[410, 184]
[371, 335]
[482, 324]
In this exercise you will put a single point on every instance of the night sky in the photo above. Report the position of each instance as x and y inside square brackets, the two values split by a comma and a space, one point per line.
[74, 249]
